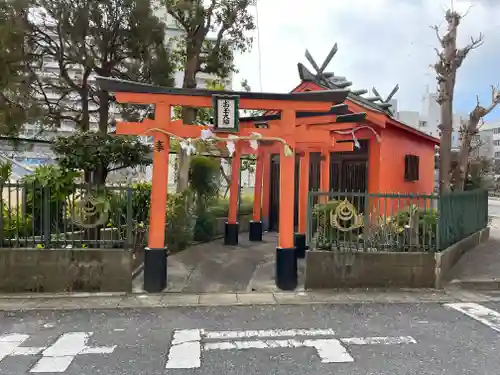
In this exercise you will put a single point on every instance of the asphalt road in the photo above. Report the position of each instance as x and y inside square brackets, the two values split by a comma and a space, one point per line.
[494, 207]
[370, 339]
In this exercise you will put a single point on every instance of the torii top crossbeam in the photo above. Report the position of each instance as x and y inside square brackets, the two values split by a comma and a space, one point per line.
[140, 93]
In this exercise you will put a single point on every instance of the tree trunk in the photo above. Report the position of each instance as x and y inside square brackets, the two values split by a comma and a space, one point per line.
[445, 146]
[103, 111]
[188, 117]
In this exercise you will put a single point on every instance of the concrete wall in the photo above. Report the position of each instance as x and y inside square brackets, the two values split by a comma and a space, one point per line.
[220, 224]
[330, 269]
[333, 269]
[65, 270]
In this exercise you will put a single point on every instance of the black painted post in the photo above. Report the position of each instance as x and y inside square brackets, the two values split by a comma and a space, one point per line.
[231, 232]
[286, 269]
[255, 231]
[129, 242]
[300, 245]
[46, 217]
[155, 270]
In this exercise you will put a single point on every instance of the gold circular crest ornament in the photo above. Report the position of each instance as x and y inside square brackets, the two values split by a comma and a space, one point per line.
[90, 212]
[343, 215]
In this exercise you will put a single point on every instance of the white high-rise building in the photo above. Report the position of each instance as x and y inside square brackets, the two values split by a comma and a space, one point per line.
[429, 118]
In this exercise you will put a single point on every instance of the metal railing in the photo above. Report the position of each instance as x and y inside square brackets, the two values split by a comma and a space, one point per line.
[461, 214]
[343, 221]
[74, 217]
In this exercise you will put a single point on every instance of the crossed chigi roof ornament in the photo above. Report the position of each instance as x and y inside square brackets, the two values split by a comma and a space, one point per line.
[331, 81]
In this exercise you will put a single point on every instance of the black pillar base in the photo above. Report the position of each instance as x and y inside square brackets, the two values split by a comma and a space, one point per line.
[255, 231]
[265, 223]
[286, 269]
[300, 244]
[231, 232]
[155, 270]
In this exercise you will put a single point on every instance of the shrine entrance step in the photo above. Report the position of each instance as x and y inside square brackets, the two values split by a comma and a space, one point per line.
[214, 268]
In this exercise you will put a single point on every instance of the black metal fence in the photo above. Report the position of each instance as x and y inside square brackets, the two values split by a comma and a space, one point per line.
[342, 221]
[82, 216]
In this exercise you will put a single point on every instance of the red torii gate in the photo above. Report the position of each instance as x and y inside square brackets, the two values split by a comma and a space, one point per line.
[288, 132]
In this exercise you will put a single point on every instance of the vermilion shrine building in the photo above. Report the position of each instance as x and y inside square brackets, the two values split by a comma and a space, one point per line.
[391, 157]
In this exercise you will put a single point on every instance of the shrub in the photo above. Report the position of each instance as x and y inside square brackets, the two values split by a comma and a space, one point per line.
[141, 203]
[325, 235]
[204, 177]
[180, 217]
[426, 225]
[205, 226]
[180, 221]
[204, 182]
[15, 224]
[392, 233]
[52, 180]
[221, 207]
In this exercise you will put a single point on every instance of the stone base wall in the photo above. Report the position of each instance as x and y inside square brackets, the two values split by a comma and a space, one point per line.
[65, 270]
[220, 224]
[331, 269]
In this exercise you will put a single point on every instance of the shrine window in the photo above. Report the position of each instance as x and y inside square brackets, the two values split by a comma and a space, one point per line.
[411, 168]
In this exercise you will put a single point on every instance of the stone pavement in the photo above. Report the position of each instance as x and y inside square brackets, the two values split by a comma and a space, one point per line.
[480, 268]
[213, 268]
[84, 301]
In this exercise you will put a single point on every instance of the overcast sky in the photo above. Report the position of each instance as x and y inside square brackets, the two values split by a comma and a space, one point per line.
[381, 43]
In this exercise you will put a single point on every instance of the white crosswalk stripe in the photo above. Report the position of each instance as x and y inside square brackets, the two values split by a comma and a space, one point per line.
[485, 315]
[54, 358]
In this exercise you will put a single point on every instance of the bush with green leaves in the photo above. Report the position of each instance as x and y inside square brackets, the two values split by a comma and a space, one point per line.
[220, 208]
[204, 178]
[181, 221]
[48, 187]
[427, 224]
[15, 224]
[180, 216]
[140, 194]
[5, 171]
[325, 235]
[393, 232]
[204, 182]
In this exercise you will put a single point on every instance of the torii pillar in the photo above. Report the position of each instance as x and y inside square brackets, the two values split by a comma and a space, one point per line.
[255, 229]
[286, 255]
[155, 254]
[300, 236]
[231, 230]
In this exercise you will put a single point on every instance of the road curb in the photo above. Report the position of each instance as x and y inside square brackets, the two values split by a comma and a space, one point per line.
[109, 301]
[492, 284]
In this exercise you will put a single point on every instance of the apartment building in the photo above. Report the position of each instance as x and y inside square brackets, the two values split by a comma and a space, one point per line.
[38, 154]
[490, 132]
[429, 118]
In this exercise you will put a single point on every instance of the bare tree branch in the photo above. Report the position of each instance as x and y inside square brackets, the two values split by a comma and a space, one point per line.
[436, 30]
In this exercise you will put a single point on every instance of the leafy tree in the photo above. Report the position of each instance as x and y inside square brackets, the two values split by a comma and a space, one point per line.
[111, 38]
[78, 152]
[15, 109]
[196, 52]
[59, 184]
